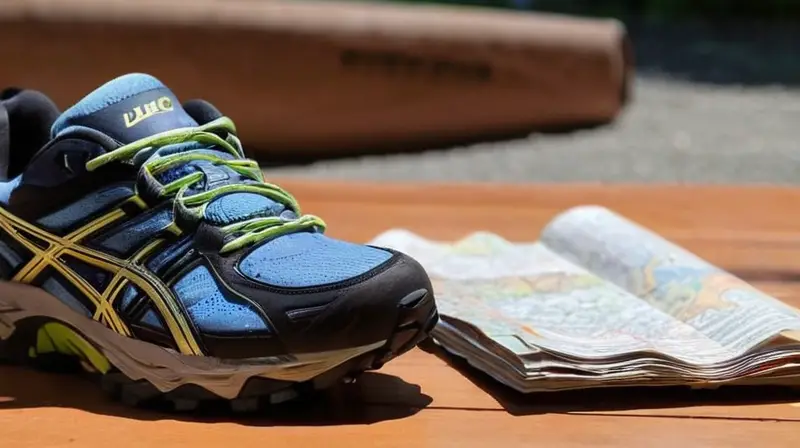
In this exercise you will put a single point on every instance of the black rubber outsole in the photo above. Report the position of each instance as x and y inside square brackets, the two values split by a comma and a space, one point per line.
[417, 318]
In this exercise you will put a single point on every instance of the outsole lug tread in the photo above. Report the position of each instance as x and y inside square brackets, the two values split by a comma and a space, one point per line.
[245, 405]
[185, 405]
[111, 385]
[283, 396]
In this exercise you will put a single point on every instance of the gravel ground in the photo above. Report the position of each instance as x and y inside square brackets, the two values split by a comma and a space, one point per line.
[710, 106]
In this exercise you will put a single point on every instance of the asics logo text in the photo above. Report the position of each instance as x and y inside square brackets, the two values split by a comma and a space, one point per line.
[147, 110]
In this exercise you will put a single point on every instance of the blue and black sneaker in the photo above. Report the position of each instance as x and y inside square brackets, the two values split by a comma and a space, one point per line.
[137, 241]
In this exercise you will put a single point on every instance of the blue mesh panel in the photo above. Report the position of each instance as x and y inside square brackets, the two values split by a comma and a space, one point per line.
[58, 290]
[135, 232]
[309, 259]
[210, 310]
[175, 173]
[130, 293]
[112, 92]
[83, 208]
[240, 206]
[214, 173]
[151, 319]
[169, 254]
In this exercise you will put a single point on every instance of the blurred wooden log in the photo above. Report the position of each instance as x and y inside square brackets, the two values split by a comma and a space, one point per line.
[328, 78]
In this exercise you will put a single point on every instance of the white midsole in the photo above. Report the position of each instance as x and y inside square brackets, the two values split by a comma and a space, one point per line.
[164, 368]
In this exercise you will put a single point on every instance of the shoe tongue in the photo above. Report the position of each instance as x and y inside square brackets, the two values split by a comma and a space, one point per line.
[136, 106]
[127, 109]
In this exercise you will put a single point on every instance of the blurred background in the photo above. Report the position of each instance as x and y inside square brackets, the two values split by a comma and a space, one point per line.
[715, 101]
[702, 91]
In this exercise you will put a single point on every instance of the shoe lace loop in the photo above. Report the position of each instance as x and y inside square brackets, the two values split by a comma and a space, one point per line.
[238, 234]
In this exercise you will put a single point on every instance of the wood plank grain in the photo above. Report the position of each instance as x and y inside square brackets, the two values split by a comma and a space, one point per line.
[429, 428]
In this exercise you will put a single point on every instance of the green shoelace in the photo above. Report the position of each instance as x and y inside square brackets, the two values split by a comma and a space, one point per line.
[246, 232]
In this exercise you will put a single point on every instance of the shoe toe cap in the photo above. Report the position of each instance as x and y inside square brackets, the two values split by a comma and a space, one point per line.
[307, 260]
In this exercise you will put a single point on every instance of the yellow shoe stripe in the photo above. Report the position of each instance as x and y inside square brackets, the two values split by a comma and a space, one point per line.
[124, 271]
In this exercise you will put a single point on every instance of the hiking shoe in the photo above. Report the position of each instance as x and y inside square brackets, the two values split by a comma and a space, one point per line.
[138, 241]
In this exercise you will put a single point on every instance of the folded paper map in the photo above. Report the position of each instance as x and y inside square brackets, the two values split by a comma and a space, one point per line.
[601, 301]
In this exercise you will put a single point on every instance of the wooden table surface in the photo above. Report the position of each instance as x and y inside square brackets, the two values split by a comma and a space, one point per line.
[425, 399]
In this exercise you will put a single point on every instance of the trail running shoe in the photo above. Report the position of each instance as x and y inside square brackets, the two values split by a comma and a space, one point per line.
[137, 239]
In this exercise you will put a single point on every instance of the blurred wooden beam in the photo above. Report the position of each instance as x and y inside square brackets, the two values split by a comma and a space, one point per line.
[305, 78]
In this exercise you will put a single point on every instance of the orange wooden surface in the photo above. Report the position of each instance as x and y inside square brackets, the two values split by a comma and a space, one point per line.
[426, 399]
